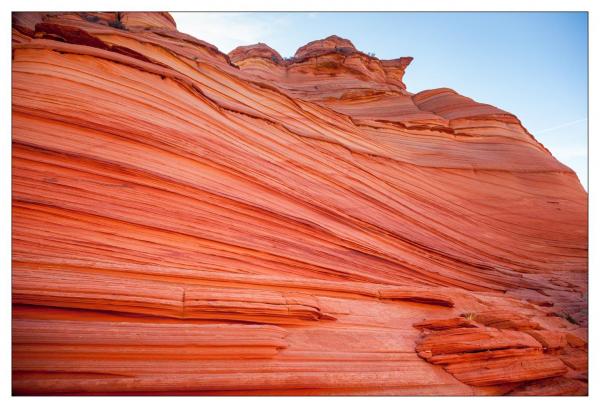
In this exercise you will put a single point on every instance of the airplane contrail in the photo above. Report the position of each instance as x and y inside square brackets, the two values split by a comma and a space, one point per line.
[539, 132]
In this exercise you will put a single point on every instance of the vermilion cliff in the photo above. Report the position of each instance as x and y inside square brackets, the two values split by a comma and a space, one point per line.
[190, 222]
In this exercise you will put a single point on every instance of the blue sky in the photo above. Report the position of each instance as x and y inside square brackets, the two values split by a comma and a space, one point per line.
[531, 64]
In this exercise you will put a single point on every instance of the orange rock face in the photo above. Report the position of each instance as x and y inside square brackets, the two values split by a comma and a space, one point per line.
[190, 222]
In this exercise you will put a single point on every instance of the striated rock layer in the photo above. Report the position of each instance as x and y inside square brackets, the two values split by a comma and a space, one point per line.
[190, 222]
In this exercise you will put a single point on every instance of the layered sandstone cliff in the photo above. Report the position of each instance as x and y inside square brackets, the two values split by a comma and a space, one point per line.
[190, 222]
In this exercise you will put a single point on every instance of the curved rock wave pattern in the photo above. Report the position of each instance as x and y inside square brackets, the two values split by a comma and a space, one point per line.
[191, 222]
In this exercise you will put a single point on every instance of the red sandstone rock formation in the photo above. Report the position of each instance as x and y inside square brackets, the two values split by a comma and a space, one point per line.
[188, 222]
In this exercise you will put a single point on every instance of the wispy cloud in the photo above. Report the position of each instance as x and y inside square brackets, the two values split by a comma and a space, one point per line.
[562, 125]
[229, 30]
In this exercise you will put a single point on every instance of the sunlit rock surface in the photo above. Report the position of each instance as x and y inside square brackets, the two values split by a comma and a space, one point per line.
[190, 222]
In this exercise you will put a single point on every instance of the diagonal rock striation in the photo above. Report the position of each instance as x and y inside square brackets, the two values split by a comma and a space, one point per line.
[191, 222]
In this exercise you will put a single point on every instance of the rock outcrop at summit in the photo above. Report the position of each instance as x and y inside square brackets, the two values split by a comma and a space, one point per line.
[191, 222]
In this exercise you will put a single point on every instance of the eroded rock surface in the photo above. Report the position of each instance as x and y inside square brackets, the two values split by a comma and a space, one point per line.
[191, 222]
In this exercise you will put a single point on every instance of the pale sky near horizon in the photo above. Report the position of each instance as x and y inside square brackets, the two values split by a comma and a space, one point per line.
[532, 64]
